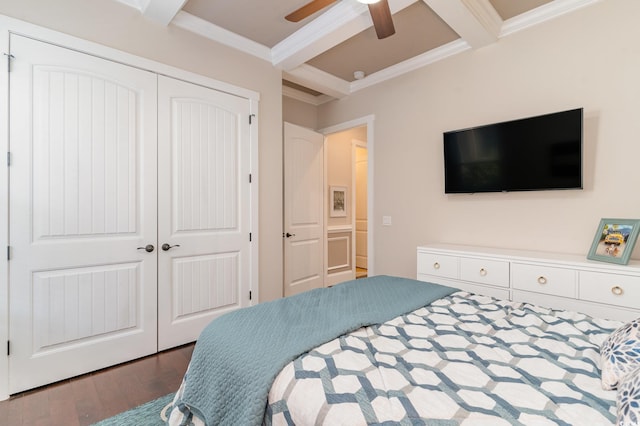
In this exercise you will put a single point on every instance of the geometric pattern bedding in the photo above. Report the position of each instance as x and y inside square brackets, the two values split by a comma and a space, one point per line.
[464, 359]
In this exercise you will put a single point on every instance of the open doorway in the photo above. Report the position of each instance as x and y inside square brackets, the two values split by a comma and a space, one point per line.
[348, 154]
[359, 158]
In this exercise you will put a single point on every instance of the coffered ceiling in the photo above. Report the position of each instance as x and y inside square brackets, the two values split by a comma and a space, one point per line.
[320, 54]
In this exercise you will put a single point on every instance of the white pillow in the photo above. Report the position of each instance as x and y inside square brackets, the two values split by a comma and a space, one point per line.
[629, 400]
[620, 354]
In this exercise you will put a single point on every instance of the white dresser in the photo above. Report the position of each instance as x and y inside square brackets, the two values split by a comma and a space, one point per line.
[560, 281]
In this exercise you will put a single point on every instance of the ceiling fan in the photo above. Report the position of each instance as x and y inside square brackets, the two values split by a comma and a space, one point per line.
[379, 9]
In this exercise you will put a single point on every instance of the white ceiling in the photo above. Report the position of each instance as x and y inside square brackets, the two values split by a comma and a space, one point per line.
[322, 51]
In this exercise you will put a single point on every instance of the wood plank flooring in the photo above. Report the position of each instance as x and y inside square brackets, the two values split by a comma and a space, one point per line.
[87, 399]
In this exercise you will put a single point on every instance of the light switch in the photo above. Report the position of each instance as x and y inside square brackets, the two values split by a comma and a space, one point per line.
[386, 220]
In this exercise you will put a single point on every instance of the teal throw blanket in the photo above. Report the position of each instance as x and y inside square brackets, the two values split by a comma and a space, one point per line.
[239, 355]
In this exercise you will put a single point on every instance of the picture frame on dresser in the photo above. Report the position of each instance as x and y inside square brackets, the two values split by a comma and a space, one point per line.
[614, 240]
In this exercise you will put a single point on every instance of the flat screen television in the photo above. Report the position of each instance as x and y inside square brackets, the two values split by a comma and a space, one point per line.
[530, 154]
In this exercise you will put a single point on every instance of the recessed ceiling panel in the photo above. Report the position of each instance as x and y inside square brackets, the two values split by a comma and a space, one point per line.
[260, 21]
[418, 30]
[510, 8]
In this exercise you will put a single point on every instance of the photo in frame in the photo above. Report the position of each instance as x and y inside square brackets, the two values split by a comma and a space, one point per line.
[338, 201]
[614, 240]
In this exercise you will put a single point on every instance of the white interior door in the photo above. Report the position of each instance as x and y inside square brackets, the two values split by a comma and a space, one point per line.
[361, 169]
[82, 200]
[303, 209]
[204, 208]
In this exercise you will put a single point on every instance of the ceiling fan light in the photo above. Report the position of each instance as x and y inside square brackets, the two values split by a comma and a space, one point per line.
[368, 1]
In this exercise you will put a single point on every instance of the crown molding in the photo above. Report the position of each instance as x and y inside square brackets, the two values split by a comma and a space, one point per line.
[329, 29]
[318, 80]
[213, 32]
[475, 21]
[136, 4]
[339, 23]
[162, 11]
[542, 14]
[482, 25]
[434, 55]
[486, 14]
[298, 95]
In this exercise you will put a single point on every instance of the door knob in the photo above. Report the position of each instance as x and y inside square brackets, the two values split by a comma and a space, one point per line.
[288, 235]
[148, 248]
[167, 247]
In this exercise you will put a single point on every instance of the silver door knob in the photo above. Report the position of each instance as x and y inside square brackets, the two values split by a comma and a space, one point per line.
[167, 247]
[148, 248]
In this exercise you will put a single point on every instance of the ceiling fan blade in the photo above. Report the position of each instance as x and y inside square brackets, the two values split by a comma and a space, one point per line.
[308, 10]
[382, 21]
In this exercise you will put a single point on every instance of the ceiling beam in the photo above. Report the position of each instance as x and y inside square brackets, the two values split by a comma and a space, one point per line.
[296, 94]
[162, 11]
[318, 80]
[218, 34]
[475, 21]
[341, 22]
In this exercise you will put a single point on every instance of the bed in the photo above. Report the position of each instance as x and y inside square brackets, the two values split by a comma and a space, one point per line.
[448, 357]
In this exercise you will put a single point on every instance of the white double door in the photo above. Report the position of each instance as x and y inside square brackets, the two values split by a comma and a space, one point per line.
[108, 164]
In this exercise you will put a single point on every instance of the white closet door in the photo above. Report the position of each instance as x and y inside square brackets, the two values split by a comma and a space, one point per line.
[204, 208]
[82, 199]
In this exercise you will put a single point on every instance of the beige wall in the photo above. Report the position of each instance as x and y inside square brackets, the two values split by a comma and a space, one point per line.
[115, 25]
[300, 113]
[590, 59]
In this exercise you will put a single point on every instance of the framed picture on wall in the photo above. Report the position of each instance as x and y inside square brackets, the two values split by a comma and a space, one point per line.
[614, 240]
[338, 201]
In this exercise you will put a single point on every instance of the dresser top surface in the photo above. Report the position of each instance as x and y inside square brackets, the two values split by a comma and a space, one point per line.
[561, 259]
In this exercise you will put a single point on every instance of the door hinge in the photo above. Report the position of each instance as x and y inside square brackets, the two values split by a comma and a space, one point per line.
[8, 347]
[8, 159]
[249, 294]
[249, 236]
[249, 177]
[8, 252]
[9, 58]
[251, 117]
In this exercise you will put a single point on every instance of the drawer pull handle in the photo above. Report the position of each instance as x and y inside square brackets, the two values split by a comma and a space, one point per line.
[483, 272]
[617, 290]
[542, 280]
[436, 265]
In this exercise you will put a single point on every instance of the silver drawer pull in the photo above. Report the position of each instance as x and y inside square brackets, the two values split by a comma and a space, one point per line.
[542, 280]
[436, 265]
[483, 272]
[617, 290]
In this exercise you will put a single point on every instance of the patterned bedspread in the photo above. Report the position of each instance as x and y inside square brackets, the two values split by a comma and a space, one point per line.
[465, 359]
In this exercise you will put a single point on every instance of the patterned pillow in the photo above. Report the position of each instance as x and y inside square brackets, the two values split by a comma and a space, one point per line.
[620, 354]
[629, 400]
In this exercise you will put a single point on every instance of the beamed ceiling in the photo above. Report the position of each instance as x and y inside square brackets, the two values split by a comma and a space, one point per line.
[319, 55]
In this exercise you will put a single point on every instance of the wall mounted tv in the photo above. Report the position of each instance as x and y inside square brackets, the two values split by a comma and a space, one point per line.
[530, 154]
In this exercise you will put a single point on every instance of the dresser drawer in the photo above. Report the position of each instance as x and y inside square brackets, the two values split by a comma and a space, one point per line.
[437, 264]
[613, 289]
[490, 272]
[544, 279]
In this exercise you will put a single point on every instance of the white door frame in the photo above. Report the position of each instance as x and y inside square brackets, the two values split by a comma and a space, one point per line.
[367, 121]
[355, 144]
[9, 25]
[4, 218]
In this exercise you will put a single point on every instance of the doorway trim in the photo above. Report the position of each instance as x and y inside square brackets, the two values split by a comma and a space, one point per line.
[355, 144]
[367, 121]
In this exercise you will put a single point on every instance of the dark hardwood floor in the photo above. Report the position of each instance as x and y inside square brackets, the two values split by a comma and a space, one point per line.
[87, 399]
